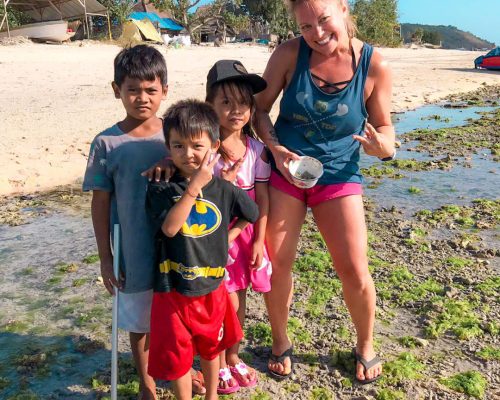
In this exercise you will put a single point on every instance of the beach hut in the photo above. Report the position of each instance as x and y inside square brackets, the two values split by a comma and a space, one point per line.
[489, 61]
[45, 12]
[135, 31]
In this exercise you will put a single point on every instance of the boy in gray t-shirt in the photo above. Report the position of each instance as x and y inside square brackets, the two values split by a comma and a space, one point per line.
[117, 157]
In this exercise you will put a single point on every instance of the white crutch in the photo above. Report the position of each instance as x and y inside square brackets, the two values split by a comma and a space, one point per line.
[114, 324]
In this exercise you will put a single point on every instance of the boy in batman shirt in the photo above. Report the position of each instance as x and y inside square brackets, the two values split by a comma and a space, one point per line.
[191, 312]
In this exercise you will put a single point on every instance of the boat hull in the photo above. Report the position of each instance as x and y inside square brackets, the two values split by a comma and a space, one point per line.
[48, 31]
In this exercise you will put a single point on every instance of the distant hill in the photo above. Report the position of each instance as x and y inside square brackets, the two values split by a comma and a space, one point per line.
[452, 37]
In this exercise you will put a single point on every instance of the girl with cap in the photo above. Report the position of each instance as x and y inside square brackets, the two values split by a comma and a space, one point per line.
[331, 83]
[230, 90]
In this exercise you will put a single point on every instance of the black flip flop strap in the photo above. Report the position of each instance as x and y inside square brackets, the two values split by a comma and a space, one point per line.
[281, 358]
[368, 364]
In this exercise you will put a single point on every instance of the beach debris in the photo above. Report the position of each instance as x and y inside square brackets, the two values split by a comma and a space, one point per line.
[15, 41]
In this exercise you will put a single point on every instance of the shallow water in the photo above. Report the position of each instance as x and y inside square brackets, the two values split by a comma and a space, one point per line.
[39, 245]
[422, 117]
[71, 235]
[459, 185]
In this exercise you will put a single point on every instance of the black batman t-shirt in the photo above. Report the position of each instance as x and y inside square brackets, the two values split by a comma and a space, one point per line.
[193, 261]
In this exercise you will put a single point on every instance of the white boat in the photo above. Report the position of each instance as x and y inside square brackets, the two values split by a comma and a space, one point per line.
[47, 31]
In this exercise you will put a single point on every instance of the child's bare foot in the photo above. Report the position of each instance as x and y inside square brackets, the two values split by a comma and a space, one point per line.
[147, 394]
[197, 382]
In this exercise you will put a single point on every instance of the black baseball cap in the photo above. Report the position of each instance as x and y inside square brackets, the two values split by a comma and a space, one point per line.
[233, 70]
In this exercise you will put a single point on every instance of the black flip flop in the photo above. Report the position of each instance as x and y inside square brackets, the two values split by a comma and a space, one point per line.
[366, 365]
[280, 359]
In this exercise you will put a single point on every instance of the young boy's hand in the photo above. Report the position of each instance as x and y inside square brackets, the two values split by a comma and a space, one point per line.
[163, 167]
[108, 277]
[257, 255]
[204, 173]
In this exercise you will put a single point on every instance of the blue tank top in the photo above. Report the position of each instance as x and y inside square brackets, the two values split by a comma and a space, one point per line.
[317, 124]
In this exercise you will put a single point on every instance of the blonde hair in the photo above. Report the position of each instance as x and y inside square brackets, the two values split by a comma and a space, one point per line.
[350, 25]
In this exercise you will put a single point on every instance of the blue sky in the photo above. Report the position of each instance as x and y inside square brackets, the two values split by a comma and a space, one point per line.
[480, 17]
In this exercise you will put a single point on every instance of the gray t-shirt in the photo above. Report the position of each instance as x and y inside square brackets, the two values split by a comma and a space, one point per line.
[115, 163]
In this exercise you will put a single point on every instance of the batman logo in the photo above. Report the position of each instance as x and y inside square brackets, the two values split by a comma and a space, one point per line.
[203, 219]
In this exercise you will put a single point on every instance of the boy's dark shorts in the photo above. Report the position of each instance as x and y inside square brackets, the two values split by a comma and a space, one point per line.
[183, 326]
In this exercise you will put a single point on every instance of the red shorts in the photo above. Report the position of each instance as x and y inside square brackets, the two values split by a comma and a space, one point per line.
[317, 194]
[183, 326]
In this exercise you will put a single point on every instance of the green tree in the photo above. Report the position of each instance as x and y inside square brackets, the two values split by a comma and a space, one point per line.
[181, 10]
[273, 14]
[16, 18]
[431, 37]
[417, 36]
[119, 10]
[377, 21]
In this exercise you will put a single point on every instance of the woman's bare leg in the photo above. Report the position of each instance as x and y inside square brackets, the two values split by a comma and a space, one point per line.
[341, 222]
[286, 216]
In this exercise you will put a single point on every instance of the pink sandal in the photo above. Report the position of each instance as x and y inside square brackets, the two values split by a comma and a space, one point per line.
[225, 375]
[239, 371]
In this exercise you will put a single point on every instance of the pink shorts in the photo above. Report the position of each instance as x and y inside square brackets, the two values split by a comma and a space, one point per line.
[317, 194]
[239, 275]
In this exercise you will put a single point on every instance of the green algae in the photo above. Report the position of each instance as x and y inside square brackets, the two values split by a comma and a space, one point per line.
[490, 286]
[456, 316]
[321, 394]
[489, 353]
[91, 259]
[388, 394]
[483, 214]
[67, 268]
[405, 367]
[408, 341]
[260, 333]
[458, 263]
[461, 140]
[470, 382]
[297, 331]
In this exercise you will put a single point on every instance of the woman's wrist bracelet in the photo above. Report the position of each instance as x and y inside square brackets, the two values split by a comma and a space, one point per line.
[390, 158]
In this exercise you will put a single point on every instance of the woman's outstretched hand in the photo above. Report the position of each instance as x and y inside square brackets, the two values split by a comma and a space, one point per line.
[282, 157]
[375, 143]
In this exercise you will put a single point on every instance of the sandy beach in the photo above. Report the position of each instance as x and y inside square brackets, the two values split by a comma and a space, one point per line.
[56, 98]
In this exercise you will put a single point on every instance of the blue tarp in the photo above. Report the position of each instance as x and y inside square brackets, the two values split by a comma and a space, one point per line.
[162, 23]
[172, 25]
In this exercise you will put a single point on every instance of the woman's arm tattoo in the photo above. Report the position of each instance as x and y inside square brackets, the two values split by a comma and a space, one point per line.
[272, 137]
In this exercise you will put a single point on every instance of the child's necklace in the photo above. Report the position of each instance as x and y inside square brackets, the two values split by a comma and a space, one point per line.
[237, 152]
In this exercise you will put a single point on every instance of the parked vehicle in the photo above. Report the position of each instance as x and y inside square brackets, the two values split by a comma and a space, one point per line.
[490, 60]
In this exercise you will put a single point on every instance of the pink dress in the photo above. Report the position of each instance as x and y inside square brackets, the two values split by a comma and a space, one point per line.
[239, 275]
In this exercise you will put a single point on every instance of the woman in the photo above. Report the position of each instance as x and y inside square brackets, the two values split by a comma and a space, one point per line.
[336, 98]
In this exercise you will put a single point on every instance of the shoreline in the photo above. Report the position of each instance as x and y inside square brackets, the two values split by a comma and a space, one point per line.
[48, 128]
